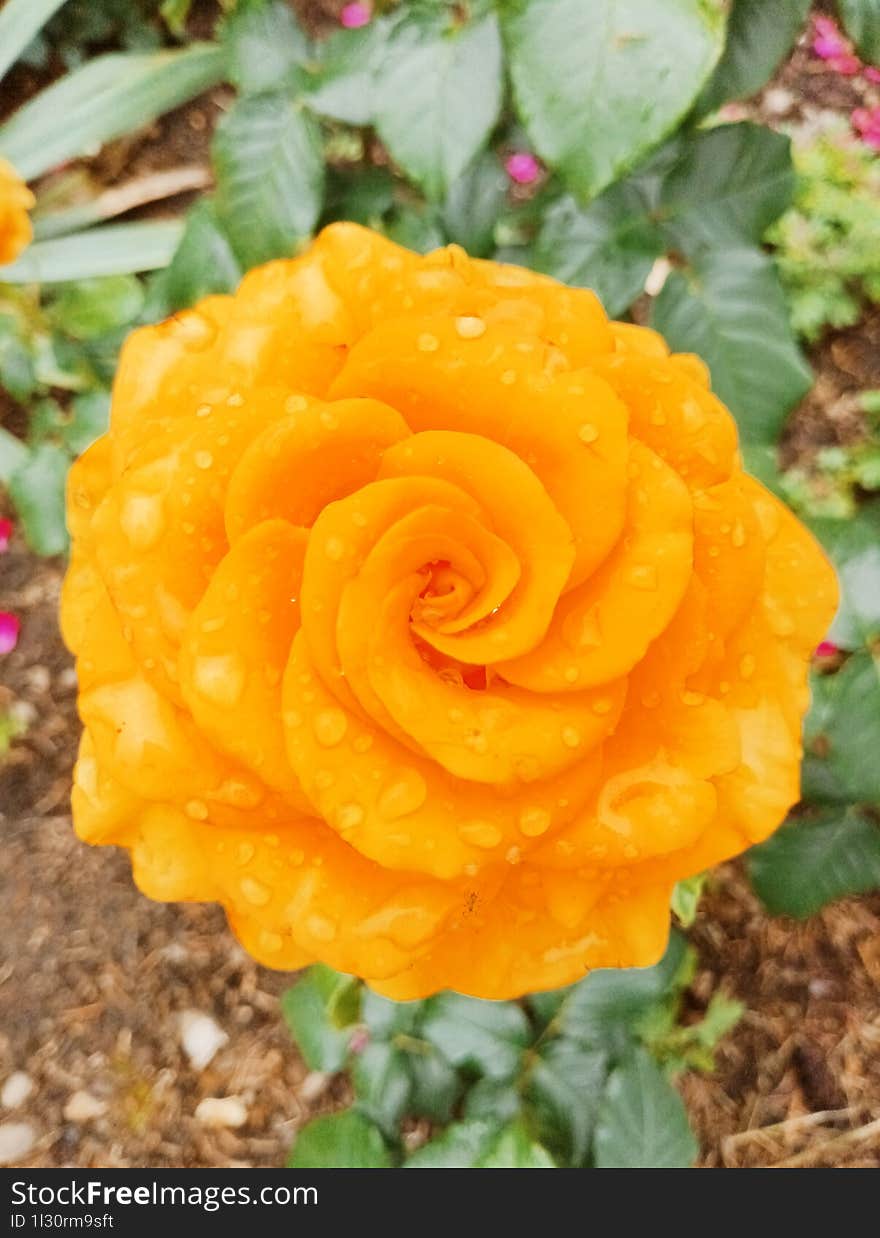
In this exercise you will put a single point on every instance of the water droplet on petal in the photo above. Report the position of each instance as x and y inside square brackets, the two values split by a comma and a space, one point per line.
[334, 548]
[427, 343]
[470, 328]
[255, 892]
[203, 459]
[588, 433]
[480, 833]
[403, 796]
[142, 520]
[197, 809]
[321, 928]
[643, 576]
[244, 853]
[348, 816]
[219, 679]
[571, 736]
[330, 726]
[534, 821]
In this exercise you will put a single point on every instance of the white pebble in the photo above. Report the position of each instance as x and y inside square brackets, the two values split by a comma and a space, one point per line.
[16, 1141]
[16, 1090]
[201, 1037]
[221, 1111]
[83, 1107]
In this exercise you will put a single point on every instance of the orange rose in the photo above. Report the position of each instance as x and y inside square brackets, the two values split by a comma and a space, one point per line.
[427, 620]
[15, 202]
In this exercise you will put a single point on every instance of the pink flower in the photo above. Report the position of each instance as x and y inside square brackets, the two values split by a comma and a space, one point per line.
[872, 74]
[9, 629]
[830, 45]
[866, 122]
[827, 649]
[353, 16]
[360, 1038]
[5, 534]
[522, 168]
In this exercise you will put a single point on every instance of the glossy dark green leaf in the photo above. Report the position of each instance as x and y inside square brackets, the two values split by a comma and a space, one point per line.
[564, 1091]
[266, 47]
[486, 1036]
[813, 860]
[438, 94]
[609, 246]
[342, 73]
[599, 85]
[460, 1146]
[37, 490]
[473, 204]
[600, 1010]
[642, 1122]
[729, 308]
[364, 196]
[436, 1085]
[759, 37]
[861, 18]
[340, 1141]
[386, 1018]
[493, 1100]
[729, 184]
[306, 1010]
[416, 228]
[842, 735]
[381, 1080]
[270, 176]
[854, 547]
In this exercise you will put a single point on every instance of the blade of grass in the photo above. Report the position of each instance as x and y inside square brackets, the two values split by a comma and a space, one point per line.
[20, 20]
[121, 198]
[119, 249]
[110, 96]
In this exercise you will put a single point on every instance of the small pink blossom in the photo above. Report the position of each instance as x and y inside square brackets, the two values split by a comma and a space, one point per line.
[827, 649]
[522, 167]
[831, 46]
[9, 629]
[353, 16]
[872, 74]
[866, 122]
[5, 534]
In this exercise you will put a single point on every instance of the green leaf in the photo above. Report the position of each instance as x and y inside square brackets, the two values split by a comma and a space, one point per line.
[515, 1149]
[13, 455]
[415, 228]
[266, 47]
[599, 85]
[90, 413]
[728, 185]
[854, 548]
[686, 898]
[386, 1018]
[729, 308]
[601, 1009]
[109, 96]
[37, 490]
[364, 196]
[842, 735]
[339, 1141]
[436, 1086]
[382, 1085]
[20, 22]
[642, 1122]
[17, 374]
[759, 37]
[813, 861]
[564, 1091]
[486, 1036]
[460, 1146]
[341, 86]
[481, 1145]
[493, 1100]
[306, 1009]
[92, 307]
[118, 249]
[474, 203]
[438, 95]
[204, 262]
[862, 21]
[270, 176]
[609, 246]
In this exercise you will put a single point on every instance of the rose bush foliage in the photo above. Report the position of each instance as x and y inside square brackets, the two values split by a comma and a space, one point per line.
[427, 620]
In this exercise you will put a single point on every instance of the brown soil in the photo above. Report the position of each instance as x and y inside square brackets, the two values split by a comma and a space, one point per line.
[94, 977]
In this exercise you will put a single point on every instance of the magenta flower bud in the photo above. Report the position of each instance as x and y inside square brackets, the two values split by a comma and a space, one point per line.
[872, 74]
[826, 649]
[353, 16]
[5, 534]
[9, 629]
[522, 168]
